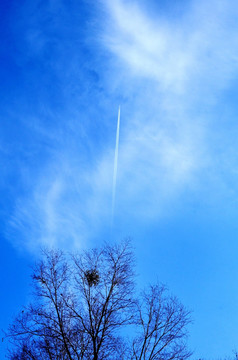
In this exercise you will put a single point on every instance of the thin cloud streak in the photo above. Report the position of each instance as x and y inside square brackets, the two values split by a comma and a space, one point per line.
[115, 165]
[175, 71]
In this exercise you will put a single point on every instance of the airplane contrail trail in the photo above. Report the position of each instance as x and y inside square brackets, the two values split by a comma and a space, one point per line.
[115, 164]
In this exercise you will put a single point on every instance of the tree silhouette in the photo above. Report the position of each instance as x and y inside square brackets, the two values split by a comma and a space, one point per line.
[82, 305]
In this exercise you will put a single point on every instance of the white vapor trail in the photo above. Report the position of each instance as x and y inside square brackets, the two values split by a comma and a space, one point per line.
[115, 165]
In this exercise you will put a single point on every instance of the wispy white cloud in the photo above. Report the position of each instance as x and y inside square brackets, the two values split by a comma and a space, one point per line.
[172, 75]
[200, 47]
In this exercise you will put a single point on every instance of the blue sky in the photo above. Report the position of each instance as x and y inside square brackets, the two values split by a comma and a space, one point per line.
[172, 66]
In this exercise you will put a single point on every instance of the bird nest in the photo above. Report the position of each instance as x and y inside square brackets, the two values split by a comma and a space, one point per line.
[92, 277]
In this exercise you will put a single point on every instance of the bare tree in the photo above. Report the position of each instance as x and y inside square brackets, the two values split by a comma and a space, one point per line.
[82, 304]
[46, 329]
[161, 325]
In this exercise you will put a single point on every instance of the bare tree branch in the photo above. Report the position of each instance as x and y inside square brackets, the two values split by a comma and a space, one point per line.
[82, 304]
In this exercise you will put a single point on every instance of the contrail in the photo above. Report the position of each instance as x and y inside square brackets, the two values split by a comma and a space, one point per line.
[115, 164]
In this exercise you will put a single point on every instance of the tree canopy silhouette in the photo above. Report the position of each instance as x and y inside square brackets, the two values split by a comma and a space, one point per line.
[85, 307]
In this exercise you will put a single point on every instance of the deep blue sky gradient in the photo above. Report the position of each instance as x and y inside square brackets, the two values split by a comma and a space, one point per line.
[66, 66]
